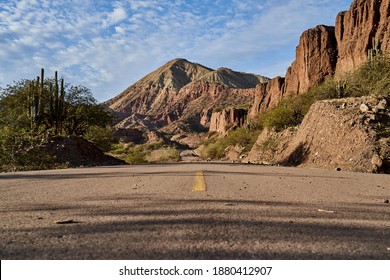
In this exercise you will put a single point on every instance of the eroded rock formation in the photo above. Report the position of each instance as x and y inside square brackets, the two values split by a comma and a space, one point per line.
[316, 57]
[227, 118]
[357, 30]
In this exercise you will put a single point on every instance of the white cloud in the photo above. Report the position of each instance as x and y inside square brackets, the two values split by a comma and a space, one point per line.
[117, 15]
[138, 4]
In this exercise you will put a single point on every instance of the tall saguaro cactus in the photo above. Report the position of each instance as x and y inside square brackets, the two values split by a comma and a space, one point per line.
[40, 99]
[61, 106]
[375, 51]
[35, 102]
[46, 102]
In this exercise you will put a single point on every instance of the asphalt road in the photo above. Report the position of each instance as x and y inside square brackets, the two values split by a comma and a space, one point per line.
[194, 211]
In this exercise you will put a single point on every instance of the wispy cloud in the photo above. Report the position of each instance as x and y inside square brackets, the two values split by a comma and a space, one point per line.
[107, 45]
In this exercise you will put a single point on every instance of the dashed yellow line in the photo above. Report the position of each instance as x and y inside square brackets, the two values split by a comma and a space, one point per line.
[200, 184]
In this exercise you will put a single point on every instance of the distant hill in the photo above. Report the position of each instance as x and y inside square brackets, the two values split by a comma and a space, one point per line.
[184, 92]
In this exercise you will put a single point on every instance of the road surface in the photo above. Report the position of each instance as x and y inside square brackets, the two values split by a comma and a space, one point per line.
[194, 211]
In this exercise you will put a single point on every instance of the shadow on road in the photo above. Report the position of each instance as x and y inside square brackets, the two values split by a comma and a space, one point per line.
[206, 229]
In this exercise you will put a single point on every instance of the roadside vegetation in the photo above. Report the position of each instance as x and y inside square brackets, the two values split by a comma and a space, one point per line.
[32, 112]
[145, 153]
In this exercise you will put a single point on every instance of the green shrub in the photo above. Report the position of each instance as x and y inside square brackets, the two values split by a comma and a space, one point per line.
[163, 155]
[136, 155]
[101, 137]
[213, 151]
[215, 148]
[19, 150]
[372, 78]
[290, 112]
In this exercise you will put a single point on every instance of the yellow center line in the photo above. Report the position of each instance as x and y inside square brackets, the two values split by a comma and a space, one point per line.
[200, 184]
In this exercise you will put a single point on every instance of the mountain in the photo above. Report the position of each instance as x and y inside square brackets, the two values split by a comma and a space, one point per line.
[181, 95]
[149, 95]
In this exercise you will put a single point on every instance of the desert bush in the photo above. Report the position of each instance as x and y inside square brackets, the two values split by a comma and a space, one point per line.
[163, 155]
[215, 148]
[100, 136]
[145, 153]
[213, 151]
[136, 155]
[20, 150]
[290, 112]
[372, 78]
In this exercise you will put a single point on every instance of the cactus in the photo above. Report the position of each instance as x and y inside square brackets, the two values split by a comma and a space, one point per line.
[341, 87]
[46, 103]
[40, 98]
[61, 105]
[51, 101]
[56, 94]
[30, 102]
[375, 51]
[36, 102]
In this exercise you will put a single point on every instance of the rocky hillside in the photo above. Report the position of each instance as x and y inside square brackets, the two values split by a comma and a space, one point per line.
[151, 94]
[182, 91]
[348, 134]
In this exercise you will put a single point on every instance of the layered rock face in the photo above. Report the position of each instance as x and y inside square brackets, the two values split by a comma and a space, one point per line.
[316, 57]
[326, 51]
[365, 23]
[197, 113]
[267, 96]
[228, 118]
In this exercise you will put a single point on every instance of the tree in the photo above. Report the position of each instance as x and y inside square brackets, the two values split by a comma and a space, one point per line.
[51, 106]
[33, 111]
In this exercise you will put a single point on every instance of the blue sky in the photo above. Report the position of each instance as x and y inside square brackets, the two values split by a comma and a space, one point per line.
[108, 45]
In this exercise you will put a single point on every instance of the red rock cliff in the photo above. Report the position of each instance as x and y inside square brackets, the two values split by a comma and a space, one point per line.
[356, 29]
[324, 51]
[316, 57]
[227, 118]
